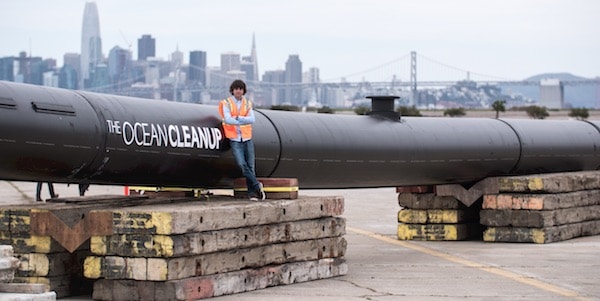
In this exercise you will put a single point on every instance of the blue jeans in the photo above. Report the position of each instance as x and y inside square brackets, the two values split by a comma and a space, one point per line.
[243, 152]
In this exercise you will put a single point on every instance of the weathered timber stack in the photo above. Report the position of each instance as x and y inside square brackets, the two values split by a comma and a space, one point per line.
[539, 208]
[200, 249]
[18, 291]
[173, 248]
[44, 259]
[424, 215]
[543, 208]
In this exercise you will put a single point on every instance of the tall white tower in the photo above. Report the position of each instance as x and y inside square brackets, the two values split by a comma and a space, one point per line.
[91, 44]
[254, 58]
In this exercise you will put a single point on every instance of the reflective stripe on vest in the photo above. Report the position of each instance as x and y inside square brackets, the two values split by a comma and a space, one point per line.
[230, 130]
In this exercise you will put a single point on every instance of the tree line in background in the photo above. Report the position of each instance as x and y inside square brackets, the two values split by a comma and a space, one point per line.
[535, 112]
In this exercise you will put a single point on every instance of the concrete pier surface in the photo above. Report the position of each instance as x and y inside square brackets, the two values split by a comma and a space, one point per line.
[380, 267]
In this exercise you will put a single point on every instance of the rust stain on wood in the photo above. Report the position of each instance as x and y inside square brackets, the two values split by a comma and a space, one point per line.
[45, 223]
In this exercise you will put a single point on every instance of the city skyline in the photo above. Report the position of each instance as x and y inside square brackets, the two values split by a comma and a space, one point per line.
[336, 50]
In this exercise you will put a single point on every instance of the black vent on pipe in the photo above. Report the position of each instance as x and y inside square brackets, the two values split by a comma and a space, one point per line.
[384, 106]
[51, 108]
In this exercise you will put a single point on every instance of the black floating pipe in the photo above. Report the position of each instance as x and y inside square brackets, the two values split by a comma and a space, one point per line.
[65, 136]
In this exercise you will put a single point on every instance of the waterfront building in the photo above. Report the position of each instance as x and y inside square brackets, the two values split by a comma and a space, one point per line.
[230, 61]
[552, 93]
[146, 47]
[7, 68]
[293, 80]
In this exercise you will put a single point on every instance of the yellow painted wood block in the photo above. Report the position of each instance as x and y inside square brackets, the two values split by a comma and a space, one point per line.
[521, 184]
[434, 231]
[495, 234]
[98, 244]
[412, 216]
[436, 216]
[92, 267]
[35, 244]
[39, 264]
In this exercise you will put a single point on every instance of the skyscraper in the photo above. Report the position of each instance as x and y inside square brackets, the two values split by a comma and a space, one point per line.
[248, 69]
[67, 77]
[197, 71]
[293, 80]
[30, 69]
[146, 47]
[7, 68]
[274, 81]
[73, 60]
[249, 64]
[119, 66]
[230, 61]
[91, 43]
[176, 59]
[254, 59]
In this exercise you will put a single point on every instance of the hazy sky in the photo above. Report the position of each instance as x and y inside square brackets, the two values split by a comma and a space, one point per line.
[511, 39]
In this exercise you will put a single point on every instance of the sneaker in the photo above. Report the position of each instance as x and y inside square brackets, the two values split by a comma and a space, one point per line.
[263, 195]
[253, 199]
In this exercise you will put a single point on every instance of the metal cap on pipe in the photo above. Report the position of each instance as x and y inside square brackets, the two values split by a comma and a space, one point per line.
[383, 105]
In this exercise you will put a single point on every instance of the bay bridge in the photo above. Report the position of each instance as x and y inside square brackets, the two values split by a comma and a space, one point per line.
[404, 71]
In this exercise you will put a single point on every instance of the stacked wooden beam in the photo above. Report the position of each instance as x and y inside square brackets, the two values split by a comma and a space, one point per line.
[194, 250]
[8, 264]
[9, 290]
[42, 259]
[424, 215]
[543, 208]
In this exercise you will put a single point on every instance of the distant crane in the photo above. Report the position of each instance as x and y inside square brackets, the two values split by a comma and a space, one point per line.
[127, 65]
[126, 41]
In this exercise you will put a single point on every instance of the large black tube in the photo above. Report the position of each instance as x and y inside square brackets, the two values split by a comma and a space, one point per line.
[49, 134]
[352, 151]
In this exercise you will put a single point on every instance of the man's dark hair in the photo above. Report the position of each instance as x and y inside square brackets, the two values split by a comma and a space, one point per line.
[238, 83]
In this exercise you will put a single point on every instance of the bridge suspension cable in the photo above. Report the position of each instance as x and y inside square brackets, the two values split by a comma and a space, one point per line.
[463, 70]
[393, 62]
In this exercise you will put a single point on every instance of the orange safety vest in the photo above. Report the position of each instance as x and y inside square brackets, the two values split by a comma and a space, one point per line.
[231, 129]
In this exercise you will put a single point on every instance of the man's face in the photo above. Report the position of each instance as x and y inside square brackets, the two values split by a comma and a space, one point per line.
[238, 92]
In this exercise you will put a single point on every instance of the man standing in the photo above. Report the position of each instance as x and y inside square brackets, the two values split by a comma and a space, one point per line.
[237, 117]
[38, 191]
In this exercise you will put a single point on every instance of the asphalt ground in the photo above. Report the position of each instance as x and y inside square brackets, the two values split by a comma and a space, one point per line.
[382, 268]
